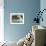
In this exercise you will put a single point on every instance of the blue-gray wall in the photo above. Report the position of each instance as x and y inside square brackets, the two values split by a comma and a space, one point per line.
[29, 8]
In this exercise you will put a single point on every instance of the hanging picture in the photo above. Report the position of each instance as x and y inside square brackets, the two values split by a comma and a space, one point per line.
[16, 18]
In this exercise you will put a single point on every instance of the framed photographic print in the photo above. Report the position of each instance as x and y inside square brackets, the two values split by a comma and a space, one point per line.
[16, 18]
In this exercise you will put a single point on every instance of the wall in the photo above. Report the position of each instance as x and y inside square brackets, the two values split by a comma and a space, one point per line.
[43, 6]
[1, 21]
[29, 8]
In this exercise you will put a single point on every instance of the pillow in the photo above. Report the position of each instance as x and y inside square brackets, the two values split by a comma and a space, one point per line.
[28, 39]
[21, 42]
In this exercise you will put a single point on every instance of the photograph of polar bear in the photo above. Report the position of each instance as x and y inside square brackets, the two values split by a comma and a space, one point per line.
[17, 18]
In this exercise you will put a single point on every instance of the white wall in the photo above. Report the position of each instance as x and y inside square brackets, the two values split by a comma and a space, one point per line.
[1, 21]
[43, 6]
